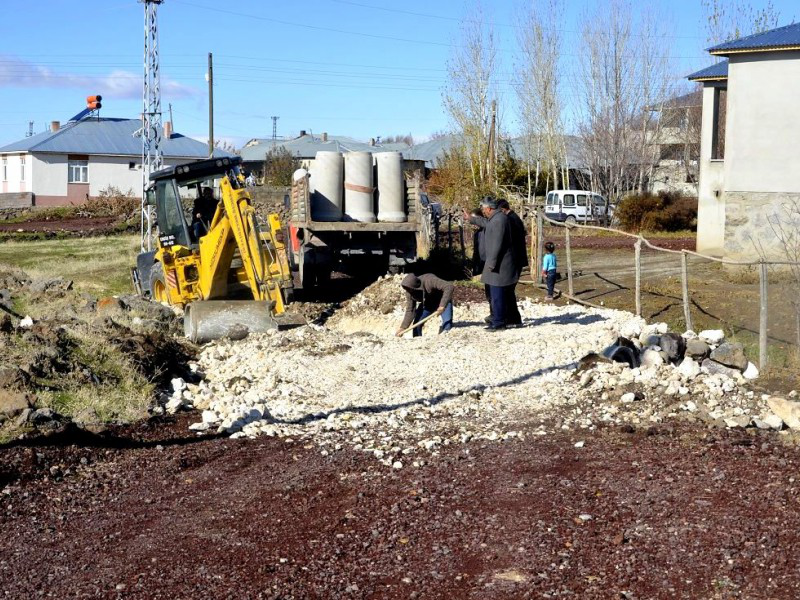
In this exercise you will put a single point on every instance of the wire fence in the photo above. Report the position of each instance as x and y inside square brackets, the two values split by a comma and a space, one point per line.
[689, 307]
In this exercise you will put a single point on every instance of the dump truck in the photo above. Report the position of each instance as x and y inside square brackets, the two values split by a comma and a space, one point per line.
[228, 271]
[327, 234]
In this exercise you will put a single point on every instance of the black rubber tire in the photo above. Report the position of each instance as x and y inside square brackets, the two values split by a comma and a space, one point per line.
[157, 283]
[571, 220]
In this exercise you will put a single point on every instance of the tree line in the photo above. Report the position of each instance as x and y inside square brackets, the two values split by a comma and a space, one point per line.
[620, 84]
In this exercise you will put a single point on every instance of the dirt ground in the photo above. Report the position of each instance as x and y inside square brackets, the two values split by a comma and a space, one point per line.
[145, 512]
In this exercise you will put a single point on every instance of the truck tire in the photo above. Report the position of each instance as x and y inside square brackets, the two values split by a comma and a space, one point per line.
[158, 284]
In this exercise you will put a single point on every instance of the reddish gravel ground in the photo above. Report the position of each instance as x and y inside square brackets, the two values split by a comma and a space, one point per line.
[557, 235]
[94, 225]
[145, 512]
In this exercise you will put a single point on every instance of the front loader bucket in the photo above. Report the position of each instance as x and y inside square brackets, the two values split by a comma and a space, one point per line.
[208, 320]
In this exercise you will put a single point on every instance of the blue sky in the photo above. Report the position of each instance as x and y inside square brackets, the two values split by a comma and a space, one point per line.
[349, 67]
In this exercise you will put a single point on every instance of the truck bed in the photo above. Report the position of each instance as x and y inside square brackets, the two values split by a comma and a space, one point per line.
[354, 226]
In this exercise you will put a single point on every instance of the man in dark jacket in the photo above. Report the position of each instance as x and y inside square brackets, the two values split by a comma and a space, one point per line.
[520, 251]
[205, 205]
[500, 270]
[477, 219]
[427, 294]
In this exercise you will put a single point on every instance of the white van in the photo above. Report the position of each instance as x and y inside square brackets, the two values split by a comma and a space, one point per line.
[577, 206]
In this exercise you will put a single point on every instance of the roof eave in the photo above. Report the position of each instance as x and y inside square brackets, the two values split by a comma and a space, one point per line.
[707, 78]
[726, 52]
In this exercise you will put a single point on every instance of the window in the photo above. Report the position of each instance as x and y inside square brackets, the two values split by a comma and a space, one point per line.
[569, 200]
[581, 200]
[78, 171]
[132, 166]
[552, 198]
[719, 118]
[5, 169]
[22, 168]
[599, 201]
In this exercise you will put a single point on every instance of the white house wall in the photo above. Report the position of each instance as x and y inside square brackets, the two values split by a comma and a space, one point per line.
[710, 196]
[48, 175]
[14, 182]
[761, 158]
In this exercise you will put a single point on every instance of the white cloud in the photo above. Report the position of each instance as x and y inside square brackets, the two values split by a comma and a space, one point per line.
[15, 72]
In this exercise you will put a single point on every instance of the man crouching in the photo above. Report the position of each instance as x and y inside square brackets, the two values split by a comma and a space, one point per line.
[425, 295]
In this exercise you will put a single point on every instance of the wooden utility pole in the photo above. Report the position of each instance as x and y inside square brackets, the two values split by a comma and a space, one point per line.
[210, 105]
[492, 154]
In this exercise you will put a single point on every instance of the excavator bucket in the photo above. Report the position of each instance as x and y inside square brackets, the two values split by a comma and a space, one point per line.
[209, 320]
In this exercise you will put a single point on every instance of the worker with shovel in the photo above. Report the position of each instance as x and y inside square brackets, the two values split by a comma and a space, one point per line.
[426, 297]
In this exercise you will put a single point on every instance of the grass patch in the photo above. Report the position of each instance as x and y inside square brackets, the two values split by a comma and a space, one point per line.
[99, 265]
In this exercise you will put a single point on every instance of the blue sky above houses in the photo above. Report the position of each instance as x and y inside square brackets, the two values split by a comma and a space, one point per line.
[362, 68]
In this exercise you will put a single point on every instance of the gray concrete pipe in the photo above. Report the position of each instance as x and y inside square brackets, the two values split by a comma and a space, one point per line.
[327, 180]
[391, 191]
[359, 192]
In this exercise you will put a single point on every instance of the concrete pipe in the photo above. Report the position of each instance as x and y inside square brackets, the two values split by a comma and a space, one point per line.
[391, 190]
[326, 187]
[359, 192]
[207, 320]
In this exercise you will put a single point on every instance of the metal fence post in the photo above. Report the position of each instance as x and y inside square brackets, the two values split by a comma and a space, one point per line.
[569, 263]
[763, 320]
[687, 313]
[638, 253]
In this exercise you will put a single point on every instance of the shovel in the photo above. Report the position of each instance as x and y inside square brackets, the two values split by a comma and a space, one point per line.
[417, 324]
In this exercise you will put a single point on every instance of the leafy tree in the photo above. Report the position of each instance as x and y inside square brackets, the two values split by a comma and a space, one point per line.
[279, 166]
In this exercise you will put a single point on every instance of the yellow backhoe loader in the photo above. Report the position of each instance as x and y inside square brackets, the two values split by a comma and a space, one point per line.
[229, 273]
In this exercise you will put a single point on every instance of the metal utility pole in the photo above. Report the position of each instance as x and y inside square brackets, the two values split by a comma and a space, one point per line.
[274, 129]
[210, 105]
[171, 120]
[151, 115]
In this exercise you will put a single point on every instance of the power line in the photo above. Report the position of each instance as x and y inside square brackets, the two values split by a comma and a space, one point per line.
[312, 27]
[491, 23]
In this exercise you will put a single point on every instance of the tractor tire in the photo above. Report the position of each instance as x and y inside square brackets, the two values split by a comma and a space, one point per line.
[158, 284]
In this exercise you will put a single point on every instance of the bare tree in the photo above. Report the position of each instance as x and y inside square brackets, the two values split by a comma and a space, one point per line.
[655, 79]
[538, 79]
[625, 79]
[731, 19]
[469, 89]
[607, 85]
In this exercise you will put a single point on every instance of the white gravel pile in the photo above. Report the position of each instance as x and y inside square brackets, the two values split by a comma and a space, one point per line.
[394, 397]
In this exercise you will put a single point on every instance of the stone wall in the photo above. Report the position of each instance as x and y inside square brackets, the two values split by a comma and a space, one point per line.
[750, 223]
[16, 200]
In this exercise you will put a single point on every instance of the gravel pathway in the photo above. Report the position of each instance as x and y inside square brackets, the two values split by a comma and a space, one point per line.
[351, 383]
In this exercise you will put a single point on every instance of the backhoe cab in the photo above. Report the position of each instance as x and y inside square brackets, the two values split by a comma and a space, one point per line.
[212, 256]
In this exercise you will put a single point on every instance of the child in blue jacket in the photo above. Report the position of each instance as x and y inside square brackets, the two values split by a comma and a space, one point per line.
[549, 268]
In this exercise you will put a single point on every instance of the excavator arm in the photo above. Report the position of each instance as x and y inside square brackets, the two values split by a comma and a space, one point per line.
[236, 253]
[233, 227]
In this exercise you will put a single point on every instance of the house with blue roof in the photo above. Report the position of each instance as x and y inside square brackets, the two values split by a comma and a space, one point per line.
[749, 162]
[84, 156]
